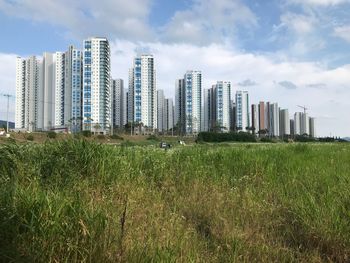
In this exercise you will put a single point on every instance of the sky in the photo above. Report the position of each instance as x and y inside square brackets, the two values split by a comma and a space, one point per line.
[294, 52]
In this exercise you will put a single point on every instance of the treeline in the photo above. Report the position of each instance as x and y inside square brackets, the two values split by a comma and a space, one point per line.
[226, 137]
[248, 137]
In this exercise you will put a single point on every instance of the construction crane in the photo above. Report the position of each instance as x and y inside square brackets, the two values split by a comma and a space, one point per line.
[8, 107]
[304, 108]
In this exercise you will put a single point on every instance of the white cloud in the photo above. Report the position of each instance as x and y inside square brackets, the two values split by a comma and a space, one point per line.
[343, 32]
[7, 84]
[208, 21]
[82, 18]
[301, 24]
[319, 2]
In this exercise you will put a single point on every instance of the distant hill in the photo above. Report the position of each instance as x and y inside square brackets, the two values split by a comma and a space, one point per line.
[3, 123]
[347, 139]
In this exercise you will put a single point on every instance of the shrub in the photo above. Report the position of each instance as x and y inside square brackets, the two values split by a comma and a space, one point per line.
[51, 135]
[86, 133]
[30, 137]
[267, 140]
[116, 137]
[152, 138]
[225, 137]
[101, 137]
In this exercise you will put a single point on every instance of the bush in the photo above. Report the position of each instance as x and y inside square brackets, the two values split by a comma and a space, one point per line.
[52, 135]
[152, 138]
[101, 137]
[225, 137]
[116, 137]
[267, 140]
[30, 137]
[86, 133]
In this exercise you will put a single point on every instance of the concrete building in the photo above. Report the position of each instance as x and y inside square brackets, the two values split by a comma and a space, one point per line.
[169, 113]
[96, 85]
[284, 123]
[161, 110]
[301, 124]
[312, 130]
[180, 113]
[193, 101]
[242, 111]
[222, 93]
[274, 121]
[143, 92]
[262, 118]
[255, 118]
[117, 104]
[28, 95]
[292, 128]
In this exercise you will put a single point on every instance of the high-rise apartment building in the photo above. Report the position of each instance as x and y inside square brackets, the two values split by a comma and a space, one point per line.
[301, 124]
[242, 110]
[274, 121]
[262, 118]
[180, 114]
[74, 88]
[28, 111]
[169, 113]
[143, 92]
[117, 103]
[223, 100]
[284, 123]
[312, 129]
[96, 85]
[255, 118]
[193, 101]
[161, 111]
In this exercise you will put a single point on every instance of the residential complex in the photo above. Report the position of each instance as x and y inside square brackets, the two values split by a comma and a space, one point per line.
[74, 90]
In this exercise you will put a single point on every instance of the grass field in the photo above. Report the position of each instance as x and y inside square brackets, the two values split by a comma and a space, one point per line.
[73, 201]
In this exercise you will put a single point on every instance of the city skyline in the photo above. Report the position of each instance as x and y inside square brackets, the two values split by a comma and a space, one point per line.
[286, 69]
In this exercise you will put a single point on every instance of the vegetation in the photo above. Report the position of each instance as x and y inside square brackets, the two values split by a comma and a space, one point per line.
[116, 137]
[74, 200]
[52, 135]
[86, 133]
[30, 137]
[226, 137]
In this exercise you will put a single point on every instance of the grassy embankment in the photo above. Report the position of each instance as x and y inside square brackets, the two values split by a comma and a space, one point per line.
[68, 201]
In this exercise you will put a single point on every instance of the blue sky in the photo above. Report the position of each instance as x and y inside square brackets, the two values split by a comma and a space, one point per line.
[289, 51]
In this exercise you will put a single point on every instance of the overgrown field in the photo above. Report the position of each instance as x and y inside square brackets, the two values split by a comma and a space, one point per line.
[73, 201]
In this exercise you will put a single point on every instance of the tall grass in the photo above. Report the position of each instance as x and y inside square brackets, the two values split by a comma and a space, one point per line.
[74, 200]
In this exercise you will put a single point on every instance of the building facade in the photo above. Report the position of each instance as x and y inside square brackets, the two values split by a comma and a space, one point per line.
[193, 101]
[96, 85]
[242, 111]
[143, 92]
[117, 104]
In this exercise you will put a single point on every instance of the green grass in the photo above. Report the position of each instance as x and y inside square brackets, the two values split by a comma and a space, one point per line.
[73, 201]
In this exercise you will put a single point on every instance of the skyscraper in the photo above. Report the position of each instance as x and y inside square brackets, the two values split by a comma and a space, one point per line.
[28, 111]
[96, 85]
[262, 113]
[312, 129]
[169, 110]
[222, 105]
[301, 124]
[255, 118]
[74, 80]
[193, 101]
[180, 113]
[143, 92]
[117, 103]
[274, 120]
[284, 123]
[161, 111]
[242, 110]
